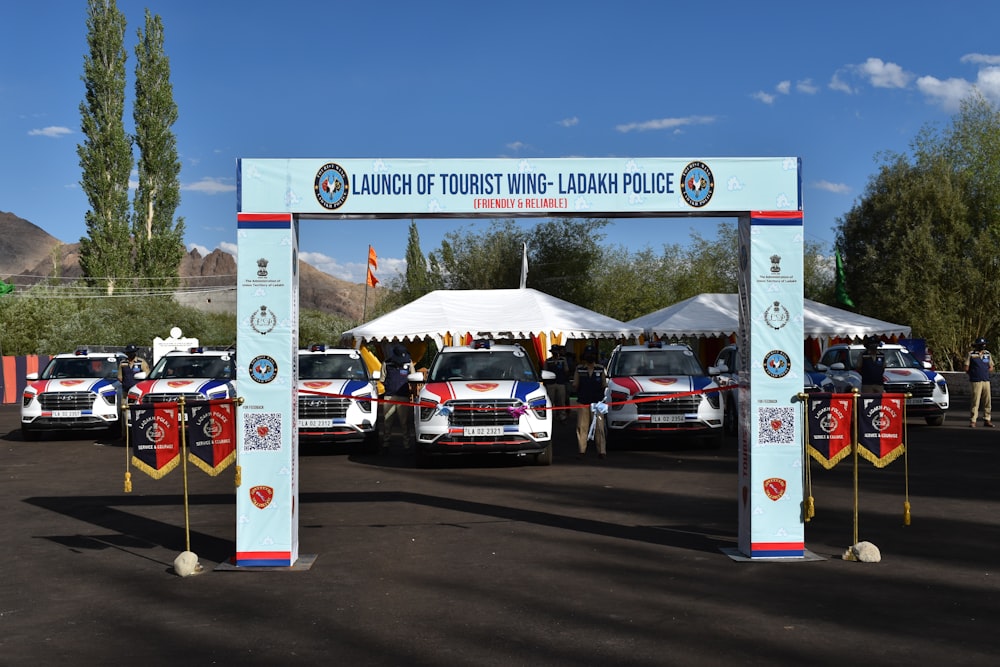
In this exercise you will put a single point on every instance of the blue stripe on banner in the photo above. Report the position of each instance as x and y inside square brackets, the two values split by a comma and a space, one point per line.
[263, 224]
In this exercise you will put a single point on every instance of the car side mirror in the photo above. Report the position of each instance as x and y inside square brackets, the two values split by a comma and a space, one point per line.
[839, 366]
[377, 375]
[822, 368]
[722, 368]
[415, 377]
[548, 375]
[716, 370]
[141, 375]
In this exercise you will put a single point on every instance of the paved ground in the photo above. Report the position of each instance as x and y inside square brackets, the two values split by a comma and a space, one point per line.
[487, 563]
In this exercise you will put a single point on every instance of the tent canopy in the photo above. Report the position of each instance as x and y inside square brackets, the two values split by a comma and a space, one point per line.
[718, 315]
[449, 315]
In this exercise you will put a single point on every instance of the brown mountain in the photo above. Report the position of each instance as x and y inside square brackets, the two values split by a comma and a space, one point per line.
[28, 255]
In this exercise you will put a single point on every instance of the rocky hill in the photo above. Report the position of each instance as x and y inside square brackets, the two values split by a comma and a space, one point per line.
[28, 255]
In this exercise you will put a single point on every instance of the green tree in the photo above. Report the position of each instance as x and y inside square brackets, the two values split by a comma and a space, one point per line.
[106, 154]
[562, 255]
[920, 245]
[159, 242]
[490, 260]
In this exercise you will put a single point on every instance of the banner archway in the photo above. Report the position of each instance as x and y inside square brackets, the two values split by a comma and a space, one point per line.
[764, 194]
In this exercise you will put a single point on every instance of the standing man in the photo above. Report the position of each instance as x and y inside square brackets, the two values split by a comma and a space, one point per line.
[133, 364]
[395, 371]
[557, 388]
[871, 367]
[589, 382]
[979, 365]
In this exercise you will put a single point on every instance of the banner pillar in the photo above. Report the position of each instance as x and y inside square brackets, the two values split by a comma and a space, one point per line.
[267, 334]
[771, 446]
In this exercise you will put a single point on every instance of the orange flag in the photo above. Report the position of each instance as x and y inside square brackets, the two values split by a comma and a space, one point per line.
[372, 280]
[372, 258]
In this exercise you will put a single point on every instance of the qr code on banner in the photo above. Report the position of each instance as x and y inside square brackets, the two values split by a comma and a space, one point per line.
[262, 431]
[776, 426]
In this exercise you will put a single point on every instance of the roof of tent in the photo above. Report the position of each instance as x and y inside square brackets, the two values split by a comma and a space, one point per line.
[498, 313]
[718, 315]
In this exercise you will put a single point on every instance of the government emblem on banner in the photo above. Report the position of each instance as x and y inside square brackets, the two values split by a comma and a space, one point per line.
[880, 428]
[154, 434]
[211, 434]
[829, 427]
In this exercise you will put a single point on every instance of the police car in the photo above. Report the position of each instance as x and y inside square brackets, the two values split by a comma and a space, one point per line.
[484, 397]
[904, 374]
[75, 392]
[196, 374]
[337, 398]
[661, 390]
[814, 379]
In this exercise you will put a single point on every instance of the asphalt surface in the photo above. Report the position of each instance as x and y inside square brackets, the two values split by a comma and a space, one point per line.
[490, 562]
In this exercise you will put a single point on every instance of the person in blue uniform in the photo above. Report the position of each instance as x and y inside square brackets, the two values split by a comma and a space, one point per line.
[979, 366]
[871, 367]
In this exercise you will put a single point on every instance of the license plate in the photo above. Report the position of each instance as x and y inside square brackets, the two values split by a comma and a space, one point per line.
[66, 414]
[914, 401]
[666, 419]
[315, 423]
[483, 430]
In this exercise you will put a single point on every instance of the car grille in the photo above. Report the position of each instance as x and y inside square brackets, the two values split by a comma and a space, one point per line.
[172, 398]
[67, 400]
[667, 406]
[312, 407]
[483, 413]
[916, 389]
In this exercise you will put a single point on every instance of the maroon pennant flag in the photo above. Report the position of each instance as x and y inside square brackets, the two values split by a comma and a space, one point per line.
[881, 421]
[211, 434]
[830, 427]
[153, 432]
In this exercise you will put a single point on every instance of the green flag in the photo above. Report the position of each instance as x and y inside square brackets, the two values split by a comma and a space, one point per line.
[841, 289]
[5, 288]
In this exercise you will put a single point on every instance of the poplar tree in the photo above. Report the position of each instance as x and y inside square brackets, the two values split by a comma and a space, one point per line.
[106, 154]
[159, 242]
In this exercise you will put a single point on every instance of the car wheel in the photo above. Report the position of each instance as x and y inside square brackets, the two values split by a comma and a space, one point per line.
[544, 458]
[935, 420]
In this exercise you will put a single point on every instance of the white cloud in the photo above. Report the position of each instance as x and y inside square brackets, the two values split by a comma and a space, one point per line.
[784, 87]
[980, 59]
[806, 86]
[355, 272]
[836, 188]
[516, 146]
[838, 84]
[884, 75]
[665, 123]
[53, 131]
[761, 96]
[210, 186]
[569, 122]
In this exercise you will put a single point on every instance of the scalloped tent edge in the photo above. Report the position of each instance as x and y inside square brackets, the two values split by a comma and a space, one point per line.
[497, 313]
[710, 315]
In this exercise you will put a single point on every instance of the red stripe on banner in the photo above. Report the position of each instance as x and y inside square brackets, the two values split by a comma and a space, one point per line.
[777, 549]
[776, 215]
[264, 558]
[263, 217]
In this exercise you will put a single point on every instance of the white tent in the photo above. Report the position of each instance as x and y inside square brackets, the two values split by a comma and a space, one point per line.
[718, 315]
[449, 315]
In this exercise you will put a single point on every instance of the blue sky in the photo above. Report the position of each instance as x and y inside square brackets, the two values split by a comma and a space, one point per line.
[832, 83]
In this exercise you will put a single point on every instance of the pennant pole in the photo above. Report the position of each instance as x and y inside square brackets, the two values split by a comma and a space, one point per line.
[906, 467]
[855, 445]
[182, 417]
[809, 511]
[128, 442]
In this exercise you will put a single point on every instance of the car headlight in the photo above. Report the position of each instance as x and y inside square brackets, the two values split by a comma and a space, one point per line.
[111, 398]
[713, 398]
[26, 399]
[618, 399]
[365, 403]
[537, 407]
[427, 409]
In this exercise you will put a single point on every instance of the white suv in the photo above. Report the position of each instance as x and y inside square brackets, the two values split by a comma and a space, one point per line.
[196, 374]
[338, 399]
[75, 392]
[904, 374]
[483, 398]
[660, 390]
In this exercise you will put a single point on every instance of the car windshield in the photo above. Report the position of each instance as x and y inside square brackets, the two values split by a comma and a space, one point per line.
[655, 362]
[894, 358]
[482, 365]
[81, 367]
[331, 366]
[183, 366]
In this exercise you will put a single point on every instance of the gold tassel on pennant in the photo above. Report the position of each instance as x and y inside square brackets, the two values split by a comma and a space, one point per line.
[906, 514]
[810, 508]
[128, 482]
[238, 478]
